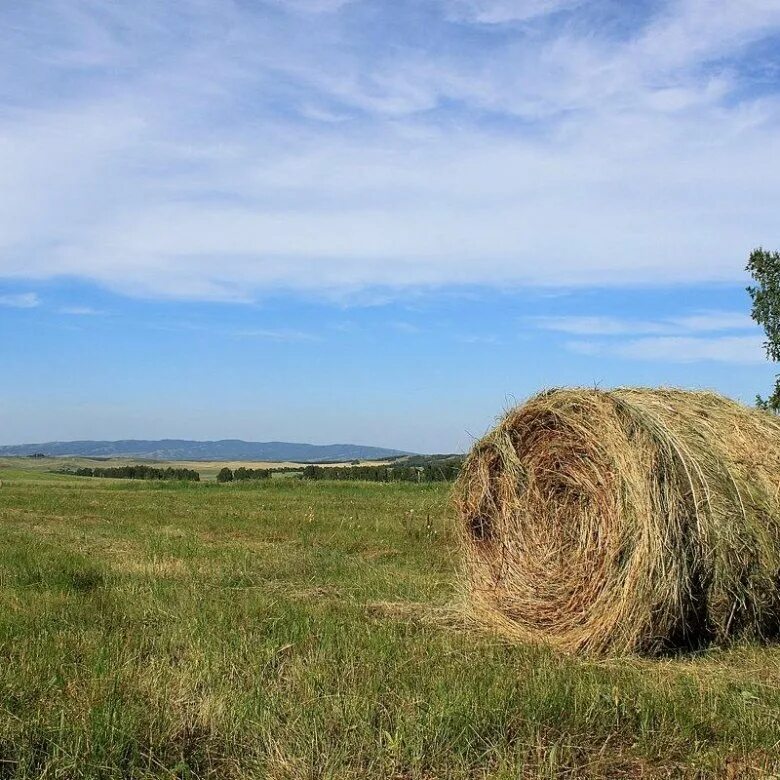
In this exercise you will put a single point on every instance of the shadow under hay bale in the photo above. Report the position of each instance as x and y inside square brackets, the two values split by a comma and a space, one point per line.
[632, 520]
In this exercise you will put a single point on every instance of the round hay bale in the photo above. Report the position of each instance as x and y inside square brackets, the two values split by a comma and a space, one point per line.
[631, 520]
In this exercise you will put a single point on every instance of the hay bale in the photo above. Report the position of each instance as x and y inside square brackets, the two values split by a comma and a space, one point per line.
[633, 520]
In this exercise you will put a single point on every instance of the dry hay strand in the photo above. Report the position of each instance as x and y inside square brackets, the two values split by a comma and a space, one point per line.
[624, 521]
[440, 616]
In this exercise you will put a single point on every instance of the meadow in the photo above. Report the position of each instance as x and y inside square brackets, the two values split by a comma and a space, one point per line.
[289, 629]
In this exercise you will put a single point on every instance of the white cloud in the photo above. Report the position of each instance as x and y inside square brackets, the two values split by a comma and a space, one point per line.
[680, 349]
[20, 300]
[692, 31]
[207, 163]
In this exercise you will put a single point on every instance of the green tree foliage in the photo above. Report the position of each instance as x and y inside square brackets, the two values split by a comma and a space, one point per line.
[242, 474]
[443, 470]
[764, 267]
[225, 475]
[139, 471]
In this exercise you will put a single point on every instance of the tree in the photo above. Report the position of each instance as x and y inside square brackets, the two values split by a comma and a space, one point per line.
[764, 267]
[225, 475]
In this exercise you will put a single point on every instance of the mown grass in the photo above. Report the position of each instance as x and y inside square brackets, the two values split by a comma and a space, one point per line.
[294, 630]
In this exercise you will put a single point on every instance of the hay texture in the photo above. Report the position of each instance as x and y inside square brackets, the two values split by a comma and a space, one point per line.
[631, 520]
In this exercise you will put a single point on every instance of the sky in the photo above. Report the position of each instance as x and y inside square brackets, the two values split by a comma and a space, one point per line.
[375, 221]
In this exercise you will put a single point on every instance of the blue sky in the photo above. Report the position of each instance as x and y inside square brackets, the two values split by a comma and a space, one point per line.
[376, 222]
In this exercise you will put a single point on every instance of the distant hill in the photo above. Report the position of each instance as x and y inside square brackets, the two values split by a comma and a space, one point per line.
[225, 449]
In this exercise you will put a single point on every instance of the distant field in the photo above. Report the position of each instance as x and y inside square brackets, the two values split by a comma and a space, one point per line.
[288, 630]
[207, 468]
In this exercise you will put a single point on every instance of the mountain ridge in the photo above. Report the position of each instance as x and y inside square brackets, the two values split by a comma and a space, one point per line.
[190, 449]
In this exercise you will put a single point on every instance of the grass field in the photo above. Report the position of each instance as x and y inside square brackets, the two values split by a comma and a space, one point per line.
[306, 630]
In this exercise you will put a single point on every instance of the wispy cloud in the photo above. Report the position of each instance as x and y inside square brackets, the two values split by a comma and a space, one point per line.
[714, 321]
[27, 300]
[81, 311]
[679, 349]
[542, 142]
[502, 11]
[312, 6]
[597, 325]
[672, 339]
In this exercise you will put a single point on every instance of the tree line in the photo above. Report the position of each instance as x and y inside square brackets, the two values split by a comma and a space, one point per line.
[440, 469]
[431, 472]
[139, 471]
[242, 474]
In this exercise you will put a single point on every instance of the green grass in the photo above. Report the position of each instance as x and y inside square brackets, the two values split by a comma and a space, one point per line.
[305, 630]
